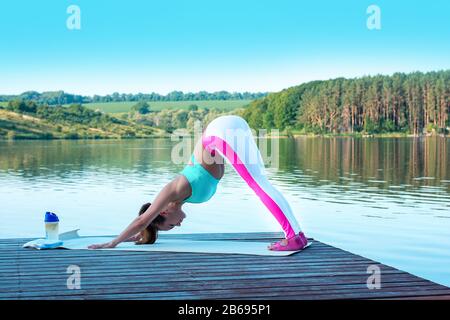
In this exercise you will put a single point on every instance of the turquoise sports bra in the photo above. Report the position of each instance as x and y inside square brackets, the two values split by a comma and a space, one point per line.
[203, 184]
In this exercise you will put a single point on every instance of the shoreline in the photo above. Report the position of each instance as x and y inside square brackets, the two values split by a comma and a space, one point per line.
[378, 135]
[294, 136]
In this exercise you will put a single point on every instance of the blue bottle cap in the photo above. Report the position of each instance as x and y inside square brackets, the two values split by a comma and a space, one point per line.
[51, 217]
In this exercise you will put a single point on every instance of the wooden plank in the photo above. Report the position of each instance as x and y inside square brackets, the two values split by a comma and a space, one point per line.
[174, 284]
[228, 291]
[332, 276]
[204, 270]
[247, 293]
[162, 256]
[433, 297]
[62, 254]
[137, 281]
[125, 259]
[152, 260]
[320, 272]
[204, 273]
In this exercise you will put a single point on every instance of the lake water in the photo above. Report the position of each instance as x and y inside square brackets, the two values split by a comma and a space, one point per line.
[387, 199]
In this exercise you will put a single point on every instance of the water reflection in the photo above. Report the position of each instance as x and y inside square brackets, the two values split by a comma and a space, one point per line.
[387, 199]
[367, 171]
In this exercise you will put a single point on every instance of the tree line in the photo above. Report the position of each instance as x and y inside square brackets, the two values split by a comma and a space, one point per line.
[61, 97]
[410, 103]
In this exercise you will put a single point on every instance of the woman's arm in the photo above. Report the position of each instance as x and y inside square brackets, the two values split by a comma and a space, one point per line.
[134, 238]
[172, 192]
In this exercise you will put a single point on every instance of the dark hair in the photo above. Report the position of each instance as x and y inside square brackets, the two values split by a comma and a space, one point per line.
[150, 234]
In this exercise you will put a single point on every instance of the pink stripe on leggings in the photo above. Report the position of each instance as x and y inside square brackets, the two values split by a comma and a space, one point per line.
[223, 147]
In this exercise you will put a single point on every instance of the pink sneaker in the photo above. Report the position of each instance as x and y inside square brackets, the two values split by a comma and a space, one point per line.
[297, 242]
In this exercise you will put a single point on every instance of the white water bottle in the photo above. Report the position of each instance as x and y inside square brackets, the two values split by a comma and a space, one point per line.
[51, 226]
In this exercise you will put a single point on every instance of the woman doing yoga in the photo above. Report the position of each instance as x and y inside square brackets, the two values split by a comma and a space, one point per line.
[226, 137]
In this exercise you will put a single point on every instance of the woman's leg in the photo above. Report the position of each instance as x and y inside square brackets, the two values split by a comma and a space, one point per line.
[233, 139]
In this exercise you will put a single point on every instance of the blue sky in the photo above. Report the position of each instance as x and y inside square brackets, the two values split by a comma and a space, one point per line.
[235, 45]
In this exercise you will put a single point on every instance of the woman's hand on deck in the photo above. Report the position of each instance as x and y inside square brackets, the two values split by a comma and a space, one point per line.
[102, 245]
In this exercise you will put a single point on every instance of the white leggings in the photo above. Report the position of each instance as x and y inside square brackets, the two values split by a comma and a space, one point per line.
[232, 138]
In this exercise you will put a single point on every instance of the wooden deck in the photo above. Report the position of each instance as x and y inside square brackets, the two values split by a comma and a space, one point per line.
[320, 272]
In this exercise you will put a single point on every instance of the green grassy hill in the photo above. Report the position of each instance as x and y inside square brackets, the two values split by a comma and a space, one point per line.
[22, 119]
[15, 125]
[120, 107]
